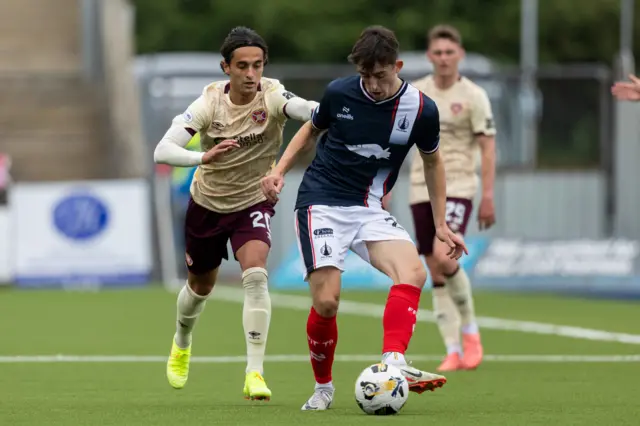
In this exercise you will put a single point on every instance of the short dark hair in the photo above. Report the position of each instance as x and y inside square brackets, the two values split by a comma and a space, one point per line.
[444, 31]
[242, 37]
[376, 45]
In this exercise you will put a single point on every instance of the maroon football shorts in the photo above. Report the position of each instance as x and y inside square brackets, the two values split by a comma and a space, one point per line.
[207, 233]
[458, 212]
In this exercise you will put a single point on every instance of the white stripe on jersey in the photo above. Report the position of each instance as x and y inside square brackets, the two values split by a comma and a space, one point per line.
[405, 116]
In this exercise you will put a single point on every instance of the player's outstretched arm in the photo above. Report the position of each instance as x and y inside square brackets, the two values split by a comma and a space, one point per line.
[434, 176]
[300, 109]
[287, 105]
[302, 141]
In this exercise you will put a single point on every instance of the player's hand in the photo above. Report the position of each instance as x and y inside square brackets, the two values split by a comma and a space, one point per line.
[486, 214]
[218, 150]
[627, 90]
[453, 241]
[271, 186]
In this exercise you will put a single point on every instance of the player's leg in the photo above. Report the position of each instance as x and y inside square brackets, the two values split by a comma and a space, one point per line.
[458, 285]
[205, 248]
[445, 310]
[251, 242]
[388, 247]
[324, 234]
[322, 333]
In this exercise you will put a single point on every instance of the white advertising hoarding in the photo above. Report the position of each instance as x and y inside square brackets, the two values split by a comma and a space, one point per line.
[86, 233]
[5, 246]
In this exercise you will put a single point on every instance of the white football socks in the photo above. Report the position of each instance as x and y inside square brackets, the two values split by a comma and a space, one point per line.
[447, 318]
[459, 287]
[394, 358]
[190, 305]
[256, 315]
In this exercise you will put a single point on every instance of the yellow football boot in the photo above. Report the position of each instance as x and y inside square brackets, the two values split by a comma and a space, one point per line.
[178, 366]
[255, 387]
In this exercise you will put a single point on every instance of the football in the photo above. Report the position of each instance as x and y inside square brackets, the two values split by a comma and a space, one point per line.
[381, 390]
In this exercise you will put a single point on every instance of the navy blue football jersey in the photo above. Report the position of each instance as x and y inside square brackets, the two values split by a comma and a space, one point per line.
[359, 157]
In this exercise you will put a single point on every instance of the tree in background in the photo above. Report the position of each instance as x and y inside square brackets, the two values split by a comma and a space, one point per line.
[323, 31]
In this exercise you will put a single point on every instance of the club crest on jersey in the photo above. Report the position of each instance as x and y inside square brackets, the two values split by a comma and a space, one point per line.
[456, 107]
[403, 124]
[259, 116]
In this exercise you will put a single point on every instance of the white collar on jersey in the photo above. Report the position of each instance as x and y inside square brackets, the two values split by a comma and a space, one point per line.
[368, 96]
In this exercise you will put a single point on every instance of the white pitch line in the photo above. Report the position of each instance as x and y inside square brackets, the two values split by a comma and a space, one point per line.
[303, 303]
[42, 359]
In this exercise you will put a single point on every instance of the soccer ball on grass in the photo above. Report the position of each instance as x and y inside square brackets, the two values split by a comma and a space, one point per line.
[381, 389]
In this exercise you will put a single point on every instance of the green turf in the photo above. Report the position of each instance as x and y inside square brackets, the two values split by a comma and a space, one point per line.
[141, 322]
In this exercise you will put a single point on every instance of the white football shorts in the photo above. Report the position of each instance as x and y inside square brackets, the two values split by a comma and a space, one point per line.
[326, 233]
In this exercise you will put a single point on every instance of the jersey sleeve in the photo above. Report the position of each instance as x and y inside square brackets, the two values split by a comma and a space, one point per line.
[283, 104]
[277, 98]
[321, 117]
[427, 131]
[481, 115]
[172, 147]
[196, 117]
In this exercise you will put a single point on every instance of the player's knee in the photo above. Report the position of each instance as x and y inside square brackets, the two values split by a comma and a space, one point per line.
[326, 305]
[442, 261]
[202, 284]
[253, 254]
[415, 275]
[255, 283]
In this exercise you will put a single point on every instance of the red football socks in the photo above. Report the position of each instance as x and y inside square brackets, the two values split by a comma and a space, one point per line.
[399, 318]
[322, 337]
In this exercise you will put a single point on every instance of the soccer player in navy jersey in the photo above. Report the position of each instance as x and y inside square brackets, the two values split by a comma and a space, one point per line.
[370, 122]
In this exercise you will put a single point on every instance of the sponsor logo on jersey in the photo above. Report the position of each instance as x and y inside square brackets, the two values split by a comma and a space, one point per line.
[244, 141]
[370, 150]
[344, 114]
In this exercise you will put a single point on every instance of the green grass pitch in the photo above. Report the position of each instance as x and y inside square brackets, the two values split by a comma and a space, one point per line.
[503, 391]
